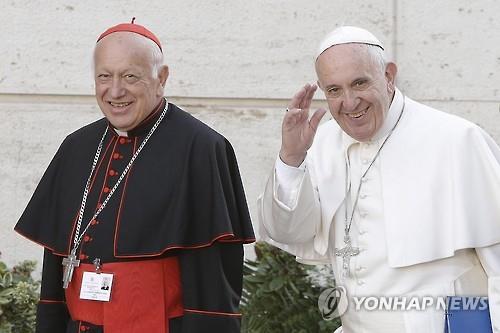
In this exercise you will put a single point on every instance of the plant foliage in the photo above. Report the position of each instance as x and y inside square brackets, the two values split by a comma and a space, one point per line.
[18, 298]
[279, 296]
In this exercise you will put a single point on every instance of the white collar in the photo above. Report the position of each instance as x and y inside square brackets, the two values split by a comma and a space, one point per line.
[120, 133]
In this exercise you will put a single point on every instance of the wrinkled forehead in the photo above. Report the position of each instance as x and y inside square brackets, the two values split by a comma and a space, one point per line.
[125, 45]
[124, 50]
[351, 54]
[346, 62]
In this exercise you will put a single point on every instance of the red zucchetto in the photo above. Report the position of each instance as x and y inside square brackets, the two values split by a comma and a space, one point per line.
[132, 27]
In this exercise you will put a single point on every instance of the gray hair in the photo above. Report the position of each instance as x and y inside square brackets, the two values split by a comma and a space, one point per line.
[158, 60]
[156, 56]
[377, 55]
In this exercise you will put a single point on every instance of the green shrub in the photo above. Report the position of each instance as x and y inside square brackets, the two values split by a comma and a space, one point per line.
[279, 296]
[18, 298]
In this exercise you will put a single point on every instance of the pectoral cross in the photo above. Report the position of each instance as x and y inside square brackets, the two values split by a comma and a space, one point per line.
[346, 253]
[69, 263]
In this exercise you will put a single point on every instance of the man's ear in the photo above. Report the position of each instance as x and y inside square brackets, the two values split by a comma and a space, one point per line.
[162, 76]
[390, 74]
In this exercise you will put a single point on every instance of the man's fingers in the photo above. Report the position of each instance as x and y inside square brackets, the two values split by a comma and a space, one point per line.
[295, 116]
[306, 101]
[316, 118]
[297, 99]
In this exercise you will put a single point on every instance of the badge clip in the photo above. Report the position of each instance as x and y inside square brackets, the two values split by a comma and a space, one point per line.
[97, 264]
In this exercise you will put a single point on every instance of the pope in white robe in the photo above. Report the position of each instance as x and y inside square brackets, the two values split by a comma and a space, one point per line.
[416, 191]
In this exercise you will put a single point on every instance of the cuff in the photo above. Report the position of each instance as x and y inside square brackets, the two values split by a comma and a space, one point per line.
[288, 179]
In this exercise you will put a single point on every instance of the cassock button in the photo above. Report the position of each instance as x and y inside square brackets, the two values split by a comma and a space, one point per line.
[365, 161]
[364, 179]
[361, 282]
[122, 141]
[106, 189]
[362, 196]
[112, 172]
[83, 256]
[94, 222]
[116, 156]
[87, 238]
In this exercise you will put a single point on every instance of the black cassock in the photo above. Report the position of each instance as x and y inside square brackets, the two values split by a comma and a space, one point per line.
[182, 197]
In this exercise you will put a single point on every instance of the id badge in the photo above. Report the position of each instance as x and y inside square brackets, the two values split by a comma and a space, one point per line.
[96, 287]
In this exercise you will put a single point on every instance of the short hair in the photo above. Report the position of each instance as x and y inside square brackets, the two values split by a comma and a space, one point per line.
[156, 56]
[377, 55]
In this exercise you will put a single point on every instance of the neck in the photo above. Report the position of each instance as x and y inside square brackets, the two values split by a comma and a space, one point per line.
[391, 116]
[146, 123]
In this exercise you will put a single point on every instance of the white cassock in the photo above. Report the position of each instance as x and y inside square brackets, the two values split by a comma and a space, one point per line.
[427, 220]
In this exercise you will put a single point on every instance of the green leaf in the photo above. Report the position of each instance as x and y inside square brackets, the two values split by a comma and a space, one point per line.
[278, 295]
[18, 298]
[276, 283]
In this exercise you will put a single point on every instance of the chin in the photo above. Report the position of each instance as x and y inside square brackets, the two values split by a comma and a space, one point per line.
[362, 137]
[119, 125]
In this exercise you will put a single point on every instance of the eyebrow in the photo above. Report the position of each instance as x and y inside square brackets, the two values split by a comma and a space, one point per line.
[361, 78]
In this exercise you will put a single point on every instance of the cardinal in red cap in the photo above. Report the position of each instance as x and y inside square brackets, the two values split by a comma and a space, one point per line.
[142, 213]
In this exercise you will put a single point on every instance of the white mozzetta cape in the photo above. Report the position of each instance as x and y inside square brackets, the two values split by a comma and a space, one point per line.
[440, 185]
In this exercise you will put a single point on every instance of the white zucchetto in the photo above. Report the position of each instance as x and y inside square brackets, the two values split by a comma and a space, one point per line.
[345, 35]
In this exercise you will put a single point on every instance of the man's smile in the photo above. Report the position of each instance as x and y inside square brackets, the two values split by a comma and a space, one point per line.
[119, 105]
[357, 115]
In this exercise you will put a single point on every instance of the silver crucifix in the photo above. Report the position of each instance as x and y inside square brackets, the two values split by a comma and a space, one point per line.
[346, 253]
[69, 263]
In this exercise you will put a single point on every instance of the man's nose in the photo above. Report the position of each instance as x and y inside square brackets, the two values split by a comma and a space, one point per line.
[350, 100]
[117, 89]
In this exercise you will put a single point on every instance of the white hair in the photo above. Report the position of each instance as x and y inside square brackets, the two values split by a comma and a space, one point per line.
[156, 56]
[377, 55]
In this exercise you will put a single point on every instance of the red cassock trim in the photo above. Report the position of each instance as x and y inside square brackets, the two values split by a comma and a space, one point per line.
[123, 194]
[223, 238]
[50, 301]
[213, 313]
[145, 295]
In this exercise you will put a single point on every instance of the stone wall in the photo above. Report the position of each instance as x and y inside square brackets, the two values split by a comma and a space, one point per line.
[233, 64]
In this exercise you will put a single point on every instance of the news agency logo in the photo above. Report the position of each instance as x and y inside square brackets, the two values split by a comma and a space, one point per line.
[419, 303]
[332, 302]
[458, 303]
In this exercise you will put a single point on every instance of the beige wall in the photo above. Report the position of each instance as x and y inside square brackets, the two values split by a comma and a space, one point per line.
[233, 64]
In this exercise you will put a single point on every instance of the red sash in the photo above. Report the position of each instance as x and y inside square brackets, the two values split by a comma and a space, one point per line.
[145, 295]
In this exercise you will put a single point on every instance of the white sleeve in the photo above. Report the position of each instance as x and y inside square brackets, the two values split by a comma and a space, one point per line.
[294, 215]
[490, 260]
[288, 180]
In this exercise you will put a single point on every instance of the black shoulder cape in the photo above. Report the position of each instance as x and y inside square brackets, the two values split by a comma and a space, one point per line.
[182, 196]
[183, 191]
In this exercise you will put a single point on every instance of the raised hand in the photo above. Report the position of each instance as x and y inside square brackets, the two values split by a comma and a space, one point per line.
[297, 130]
